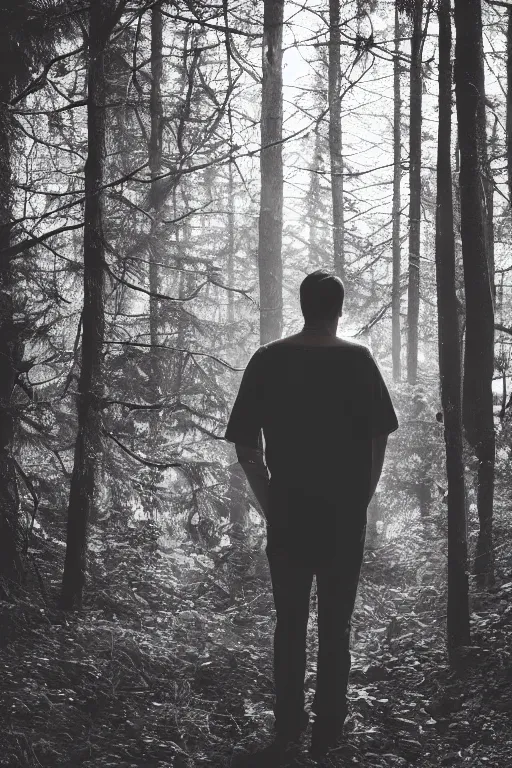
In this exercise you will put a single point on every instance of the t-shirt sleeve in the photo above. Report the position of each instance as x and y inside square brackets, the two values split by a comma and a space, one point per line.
[245, 421]
[382, 416]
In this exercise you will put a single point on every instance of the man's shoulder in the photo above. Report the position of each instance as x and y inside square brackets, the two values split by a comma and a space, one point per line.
[335, 343]
[356, 346]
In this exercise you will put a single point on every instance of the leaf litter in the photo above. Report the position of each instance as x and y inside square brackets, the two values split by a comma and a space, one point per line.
[178, 671]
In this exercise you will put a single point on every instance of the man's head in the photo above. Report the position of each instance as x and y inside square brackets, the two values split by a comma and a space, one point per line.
[321, 297]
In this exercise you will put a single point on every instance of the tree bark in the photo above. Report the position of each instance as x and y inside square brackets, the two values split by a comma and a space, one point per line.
[413, 296]
[156, 197]
[88, 444]
[396, 340]
[509, 103]
[450, 362]
[11, 351]
[488, 184]
[231, 243]
[313, 205]
[336, 139]
[479, 346]
[489, 225]
[179, 359]
[271, 164]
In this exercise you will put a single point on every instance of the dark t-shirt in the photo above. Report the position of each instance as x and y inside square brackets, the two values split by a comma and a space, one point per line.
[318, 407]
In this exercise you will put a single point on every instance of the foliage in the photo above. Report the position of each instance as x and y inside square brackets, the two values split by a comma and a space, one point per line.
[415, 474]
[31, 31]
[173, 667]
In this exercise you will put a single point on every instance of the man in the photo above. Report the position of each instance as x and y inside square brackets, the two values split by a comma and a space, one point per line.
[325, 413]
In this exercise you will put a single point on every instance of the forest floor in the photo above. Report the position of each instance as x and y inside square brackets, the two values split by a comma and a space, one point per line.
[175, 668]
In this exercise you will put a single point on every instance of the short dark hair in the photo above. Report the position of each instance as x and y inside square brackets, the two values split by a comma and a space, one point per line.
[321, 296]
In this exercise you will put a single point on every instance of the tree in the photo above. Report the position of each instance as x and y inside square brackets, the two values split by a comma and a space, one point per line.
[271, 165]
[509, 103]
[29, 34]
[156, 197]
[314, 204]
[479, 345]
[450, 362]
[230, 246]
[11, 347]
[416, 88]
[488, 190]
[88, 445]
[396, 339]
[335, 139]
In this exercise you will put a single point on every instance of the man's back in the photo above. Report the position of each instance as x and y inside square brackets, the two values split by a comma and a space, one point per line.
[312, 396]
[319, 400]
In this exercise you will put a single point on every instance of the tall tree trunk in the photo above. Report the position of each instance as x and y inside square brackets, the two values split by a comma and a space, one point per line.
[88, 444]
[509, 102]
[11, 352]
[231, 219]
[182, 326]
[271, 164]
[231, 243]
[489, 225]
[335, 139]
[413, 296]
[313, 205]
[479, 346]
[179, 313]
[450, 362]
[156, 197]
[396, 340]
[488, 184]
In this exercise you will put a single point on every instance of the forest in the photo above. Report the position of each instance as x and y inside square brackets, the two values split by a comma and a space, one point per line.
[170, 171]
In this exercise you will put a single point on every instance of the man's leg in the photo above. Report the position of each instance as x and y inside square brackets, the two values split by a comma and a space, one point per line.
[291, 585]
[336, 590]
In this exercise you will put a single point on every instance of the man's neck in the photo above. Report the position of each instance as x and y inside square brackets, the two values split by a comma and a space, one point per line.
[320, 330]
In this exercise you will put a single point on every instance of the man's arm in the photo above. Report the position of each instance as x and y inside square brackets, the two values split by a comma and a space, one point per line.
[383, 421]
[378, 452]
[251, 461]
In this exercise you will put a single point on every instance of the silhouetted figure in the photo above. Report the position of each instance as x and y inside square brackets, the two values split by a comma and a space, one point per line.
[325, 413]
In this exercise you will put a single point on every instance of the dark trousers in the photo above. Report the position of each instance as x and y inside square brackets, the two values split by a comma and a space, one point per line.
[295, 555]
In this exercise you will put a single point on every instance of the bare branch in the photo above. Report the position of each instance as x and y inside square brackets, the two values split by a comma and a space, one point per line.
[40, 81]
[141, 459]
[24, 245]
[191, 352]
[502, 328]
[208, 25]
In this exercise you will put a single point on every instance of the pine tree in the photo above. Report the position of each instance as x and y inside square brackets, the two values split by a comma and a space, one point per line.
[450, 361]
[88, 445]
[335, 139]
[29, 33]
[271, 166]
[479, 343]
[415, 120]
[396, 338]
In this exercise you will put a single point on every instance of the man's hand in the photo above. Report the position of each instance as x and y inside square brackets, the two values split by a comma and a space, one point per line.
[251, 461]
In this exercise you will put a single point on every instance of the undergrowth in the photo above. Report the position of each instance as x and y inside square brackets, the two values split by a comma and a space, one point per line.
[170, 661]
